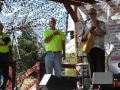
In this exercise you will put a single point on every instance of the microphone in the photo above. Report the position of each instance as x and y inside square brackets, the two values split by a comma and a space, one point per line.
[92, 29]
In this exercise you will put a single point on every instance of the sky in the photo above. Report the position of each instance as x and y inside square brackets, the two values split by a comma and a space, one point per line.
[36, 13]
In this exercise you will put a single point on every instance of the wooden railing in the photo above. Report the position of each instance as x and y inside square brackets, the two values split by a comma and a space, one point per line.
[21, 78]
[36, 68]
[12, 76]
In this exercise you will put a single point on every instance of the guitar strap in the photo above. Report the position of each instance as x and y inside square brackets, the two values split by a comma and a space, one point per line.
[84, 36]
[84, 28]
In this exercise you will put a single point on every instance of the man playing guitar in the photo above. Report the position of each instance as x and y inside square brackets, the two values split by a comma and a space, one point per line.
[96, 55]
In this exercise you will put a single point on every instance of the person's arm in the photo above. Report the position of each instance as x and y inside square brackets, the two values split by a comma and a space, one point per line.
[98, 30]
[63, 47]
[49, 38]
[10, 48]
[10, 53]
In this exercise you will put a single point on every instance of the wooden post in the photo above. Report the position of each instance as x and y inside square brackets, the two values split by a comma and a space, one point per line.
[12, 76]
[37, 75]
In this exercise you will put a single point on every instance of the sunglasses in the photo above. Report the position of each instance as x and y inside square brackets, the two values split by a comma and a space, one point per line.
[91, 13]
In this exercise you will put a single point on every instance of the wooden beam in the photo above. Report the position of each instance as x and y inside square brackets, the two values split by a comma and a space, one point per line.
[71, 11]
[76, 3]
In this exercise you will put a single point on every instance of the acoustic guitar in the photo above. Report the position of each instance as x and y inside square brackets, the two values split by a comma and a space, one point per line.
[86, 45]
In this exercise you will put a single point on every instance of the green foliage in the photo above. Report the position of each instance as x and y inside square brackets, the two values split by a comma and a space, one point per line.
[41, 57]
[70, 58]
[27, 46]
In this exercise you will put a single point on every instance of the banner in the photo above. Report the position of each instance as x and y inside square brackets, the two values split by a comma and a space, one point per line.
[113, 32]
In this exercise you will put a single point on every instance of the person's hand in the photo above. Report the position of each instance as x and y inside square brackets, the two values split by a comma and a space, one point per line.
[95, 23]
[63, 56]
[1, 44]
[56, 33]
[92, 29]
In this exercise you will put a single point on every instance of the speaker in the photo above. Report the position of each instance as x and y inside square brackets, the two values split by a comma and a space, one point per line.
[102, 80]
[58, 83]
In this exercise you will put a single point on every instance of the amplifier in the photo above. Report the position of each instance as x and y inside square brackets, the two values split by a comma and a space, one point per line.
[50, 82]
[102, 80]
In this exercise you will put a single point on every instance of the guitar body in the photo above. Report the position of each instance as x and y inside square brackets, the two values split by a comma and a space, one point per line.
[85, 46]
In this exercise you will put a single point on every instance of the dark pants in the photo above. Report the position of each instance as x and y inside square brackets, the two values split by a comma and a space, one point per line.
[4, 68]
[96, 59]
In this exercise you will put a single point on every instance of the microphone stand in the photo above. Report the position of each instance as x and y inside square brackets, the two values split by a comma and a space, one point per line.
[14, 38]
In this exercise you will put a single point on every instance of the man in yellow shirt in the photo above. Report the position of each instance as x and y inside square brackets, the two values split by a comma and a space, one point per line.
[5, 43]
[54, 45]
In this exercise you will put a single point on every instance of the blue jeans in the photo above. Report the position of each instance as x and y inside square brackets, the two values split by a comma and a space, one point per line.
[53, 61]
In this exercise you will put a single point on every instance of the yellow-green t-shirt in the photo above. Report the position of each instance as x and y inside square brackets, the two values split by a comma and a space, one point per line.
[4, 48]
[56, 43]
